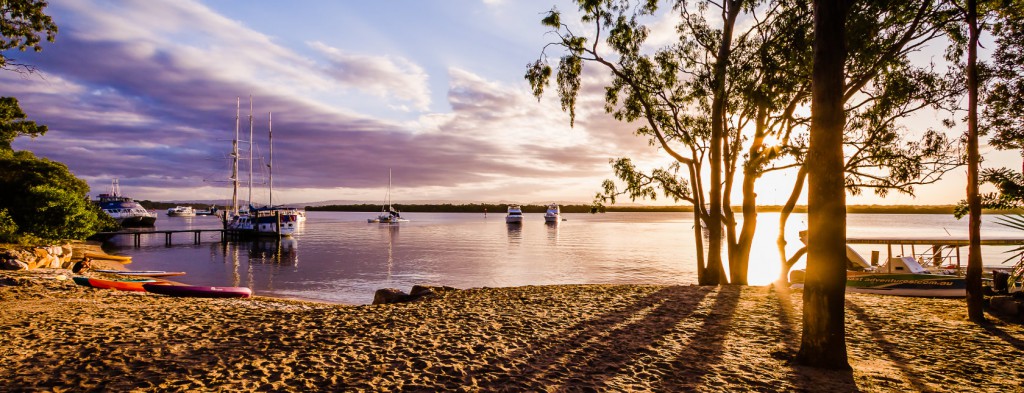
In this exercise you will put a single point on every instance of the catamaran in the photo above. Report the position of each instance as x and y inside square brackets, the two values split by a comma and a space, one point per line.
[908, 275]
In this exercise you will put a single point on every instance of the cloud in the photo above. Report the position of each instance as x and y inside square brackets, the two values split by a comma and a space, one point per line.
[146, 92]
[379, 75]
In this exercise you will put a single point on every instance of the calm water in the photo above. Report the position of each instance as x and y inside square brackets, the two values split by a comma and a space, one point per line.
[339, 257]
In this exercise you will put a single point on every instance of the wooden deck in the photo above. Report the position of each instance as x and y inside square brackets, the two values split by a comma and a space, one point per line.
[196, 234]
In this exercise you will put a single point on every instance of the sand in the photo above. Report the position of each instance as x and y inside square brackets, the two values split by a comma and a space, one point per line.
[57, 336]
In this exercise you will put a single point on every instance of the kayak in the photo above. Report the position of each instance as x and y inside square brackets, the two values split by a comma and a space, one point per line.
[197, 291]
[120, 285]
[108, 257]
[142, 273]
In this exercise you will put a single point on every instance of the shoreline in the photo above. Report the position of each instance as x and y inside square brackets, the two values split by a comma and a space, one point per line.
[62, 336]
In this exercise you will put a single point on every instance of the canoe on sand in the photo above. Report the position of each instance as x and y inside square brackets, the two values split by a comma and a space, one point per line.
[142, 273]
[120, 285]
[108, 257]
[197, 291]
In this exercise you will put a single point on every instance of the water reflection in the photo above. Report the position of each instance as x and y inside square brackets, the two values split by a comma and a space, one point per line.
[515, 233]
[392, 238]
[552, 231]
[273, 251]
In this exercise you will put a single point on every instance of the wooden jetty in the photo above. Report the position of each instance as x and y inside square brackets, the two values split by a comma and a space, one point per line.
[196, 234]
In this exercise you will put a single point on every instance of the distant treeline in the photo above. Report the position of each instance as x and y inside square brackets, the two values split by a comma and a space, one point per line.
[450, 208]
[580, 208]
[151, 205]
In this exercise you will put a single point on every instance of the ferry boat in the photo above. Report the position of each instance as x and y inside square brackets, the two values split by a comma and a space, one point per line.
[125, 210]
[515, 215]
[553, 214]
[181, 211]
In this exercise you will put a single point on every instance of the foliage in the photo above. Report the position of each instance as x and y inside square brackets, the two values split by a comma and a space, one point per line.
[22, 24]
[1004, 101]
[8, 229]
[45, 200]
[1016, 222]
[13, 123]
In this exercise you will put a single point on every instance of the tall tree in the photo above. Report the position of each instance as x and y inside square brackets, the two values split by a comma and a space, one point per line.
[823, 342]
[679, 93]
[975, 297]
[882, 87]
[22, 25]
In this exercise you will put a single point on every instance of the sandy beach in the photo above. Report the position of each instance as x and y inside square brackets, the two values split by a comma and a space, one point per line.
[58, 336]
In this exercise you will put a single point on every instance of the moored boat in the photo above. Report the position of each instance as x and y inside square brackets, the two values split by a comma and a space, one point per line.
[553, 214]
[181, 211]
[198, 291]
[515, 215]
[900, 276]
[125, 210]
[388, 214]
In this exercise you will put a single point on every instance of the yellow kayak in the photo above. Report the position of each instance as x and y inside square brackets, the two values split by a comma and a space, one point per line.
[108, 257]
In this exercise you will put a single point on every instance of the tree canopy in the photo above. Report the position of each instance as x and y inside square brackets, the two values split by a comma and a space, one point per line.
[23, 24]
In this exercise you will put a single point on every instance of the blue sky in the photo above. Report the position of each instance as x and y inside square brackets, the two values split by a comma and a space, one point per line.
[146, 92]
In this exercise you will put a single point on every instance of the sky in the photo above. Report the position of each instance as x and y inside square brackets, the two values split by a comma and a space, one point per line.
[147, 91]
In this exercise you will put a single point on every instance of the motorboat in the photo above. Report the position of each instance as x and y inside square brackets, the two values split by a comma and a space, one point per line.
[515, 215]
[181, 211]
[553, 214]
[212, 211]
[125, 210]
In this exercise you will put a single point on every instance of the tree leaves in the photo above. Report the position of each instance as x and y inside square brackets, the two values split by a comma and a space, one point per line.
[22, 24]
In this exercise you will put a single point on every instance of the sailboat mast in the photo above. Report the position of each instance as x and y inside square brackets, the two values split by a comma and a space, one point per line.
[389, 189]
[270, 165]
[234, 160]
[250, 150]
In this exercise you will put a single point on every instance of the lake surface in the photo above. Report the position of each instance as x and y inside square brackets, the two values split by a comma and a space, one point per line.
[339, 257]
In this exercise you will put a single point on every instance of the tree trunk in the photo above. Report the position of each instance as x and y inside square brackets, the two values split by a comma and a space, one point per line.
[823, 342]
[741, 260]
[716, 272]
[975, 298]
[787, 263]
[698, 234]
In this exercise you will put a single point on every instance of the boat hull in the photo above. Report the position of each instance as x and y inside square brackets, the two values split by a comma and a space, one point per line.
[142, 273]
[120, 285]
[137, 221]
[199, 291]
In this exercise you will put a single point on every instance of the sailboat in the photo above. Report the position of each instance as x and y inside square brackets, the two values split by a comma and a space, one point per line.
[388, 214]
[268, 220]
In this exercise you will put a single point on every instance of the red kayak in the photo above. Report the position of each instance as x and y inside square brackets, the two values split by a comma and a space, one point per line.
[120, 285]
[197, 291]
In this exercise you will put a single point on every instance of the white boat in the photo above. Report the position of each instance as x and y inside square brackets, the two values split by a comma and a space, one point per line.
[553, 214]
[125, 210]
[515, 215]
[268, 220]
[388, 214]
[181, 211]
